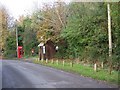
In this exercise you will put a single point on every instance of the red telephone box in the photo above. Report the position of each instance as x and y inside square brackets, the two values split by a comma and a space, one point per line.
[20, 51]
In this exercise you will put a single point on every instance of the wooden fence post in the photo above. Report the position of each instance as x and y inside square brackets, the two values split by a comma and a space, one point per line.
[41, 60]
[52, 61]
[95, 67]
[46, 60]
[71, 64]
[102, 65]
[63, 63]
[57, 62]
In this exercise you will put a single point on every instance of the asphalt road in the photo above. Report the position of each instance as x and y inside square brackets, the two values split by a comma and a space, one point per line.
[20, 74]
[0, 74]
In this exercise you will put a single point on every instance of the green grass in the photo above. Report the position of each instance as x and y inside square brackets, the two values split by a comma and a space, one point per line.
[86, 71]
[29, 56]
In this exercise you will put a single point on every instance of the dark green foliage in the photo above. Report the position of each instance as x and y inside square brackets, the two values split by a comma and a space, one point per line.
[29, 37]
[84, 31]
[62, 53]
[20, 35]
[10, 47]
[30, 42]
[115, 8]
[87, 31]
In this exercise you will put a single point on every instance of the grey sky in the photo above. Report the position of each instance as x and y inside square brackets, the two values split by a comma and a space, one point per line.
[17, 8]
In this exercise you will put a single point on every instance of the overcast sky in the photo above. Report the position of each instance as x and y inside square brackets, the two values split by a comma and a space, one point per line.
[17, 8]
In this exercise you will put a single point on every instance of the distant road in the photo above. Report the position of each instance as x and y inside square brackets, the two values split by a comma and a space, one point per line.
[20, 74]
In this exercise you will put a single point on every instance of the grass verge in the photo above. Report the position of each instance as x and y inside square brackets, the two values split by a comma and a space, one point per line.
[86, 71]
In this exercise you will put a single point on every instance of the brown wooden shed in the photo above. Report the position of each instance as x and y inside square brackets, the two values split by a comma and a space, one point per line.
[46, 50]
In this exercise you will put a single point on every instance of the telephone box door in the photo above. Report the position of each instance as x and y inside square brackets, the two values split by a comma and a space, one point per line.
[20, 51]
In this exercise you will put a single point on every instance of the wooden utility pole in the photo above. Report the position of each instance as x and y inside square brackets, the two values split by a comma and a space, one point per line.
[109, 36]
[16, 37]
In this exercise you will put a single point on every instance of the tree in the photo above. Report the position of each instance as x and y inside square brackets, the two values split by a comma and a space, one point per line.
[86, 31]
[50, 21]
[27, 35]
[115, 20]
[10, 45]
[3, 27]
